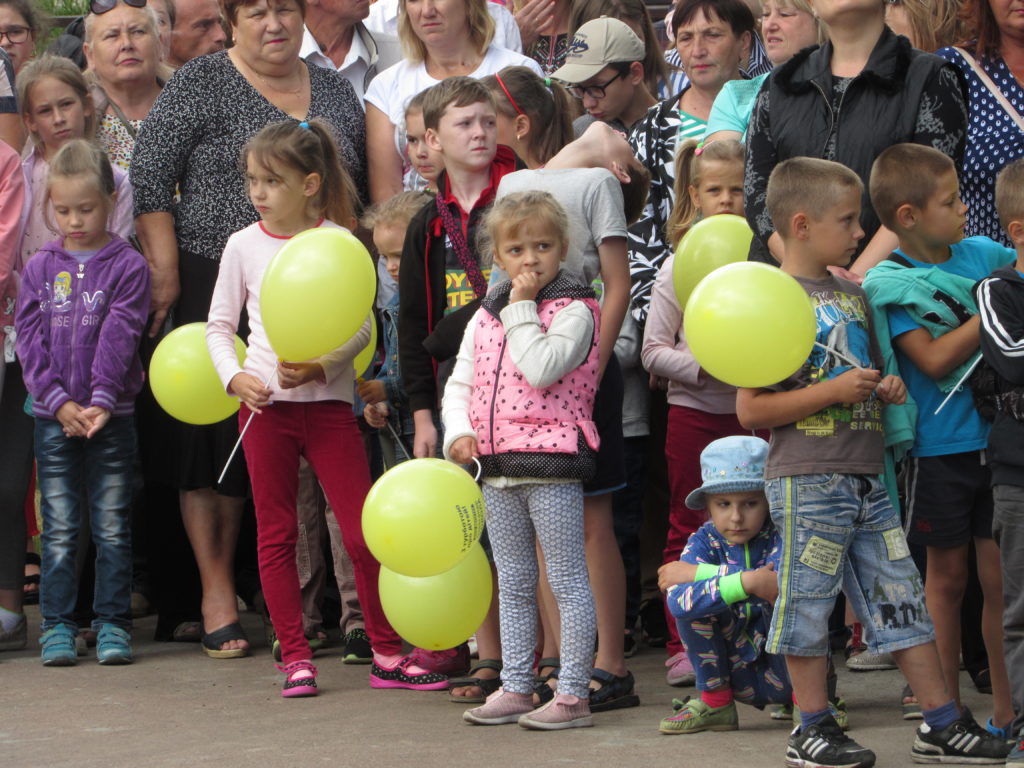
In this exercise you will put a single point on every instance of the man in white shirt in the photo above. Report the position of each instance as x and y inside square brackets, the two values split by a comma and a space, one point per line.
[336, 37]
[197, 31]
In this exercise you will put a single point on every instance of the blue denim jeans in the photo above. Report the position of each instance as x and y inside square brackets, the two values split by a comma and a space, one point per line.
[75, 475]
[841, 532]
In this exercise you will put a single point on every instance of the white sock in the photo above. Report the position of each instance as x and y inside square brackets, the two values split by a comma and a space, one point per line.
[9, 619]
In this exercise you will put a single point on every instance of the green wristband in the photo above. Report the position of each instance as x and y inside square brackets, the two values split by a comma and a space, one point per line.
[731, 587]
[705, 571]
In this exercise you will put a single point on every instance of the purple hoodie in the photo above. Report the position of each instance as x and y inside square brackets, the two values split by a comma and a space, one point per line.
[78, 327]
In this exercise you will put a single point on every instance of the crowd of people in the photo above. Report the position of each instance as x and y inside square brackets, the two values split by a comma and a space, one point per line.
[524, 175]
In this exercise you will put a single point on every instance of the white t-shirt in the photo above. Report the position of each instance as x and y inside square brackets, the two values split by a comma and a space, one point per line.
[593, 199]
[384, 18]
[393, 88]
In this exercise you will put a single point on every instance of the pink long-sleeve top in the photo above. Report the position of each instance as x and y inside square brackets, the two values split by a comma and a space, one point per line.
[245, 259]
[665, 353]
[12, 196]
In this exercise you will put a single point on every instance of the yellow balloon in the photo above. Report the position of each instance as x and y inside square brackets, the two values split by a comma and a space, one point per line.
[422, 517]
[316, 293]
[438, 612]
[750, 325]
[184, 381]
[710, 244]
[364, 359]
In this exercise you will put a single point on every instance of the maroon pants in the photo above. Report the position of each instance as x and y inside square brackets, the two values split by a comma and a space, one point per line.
[325, 433]
[689, 432]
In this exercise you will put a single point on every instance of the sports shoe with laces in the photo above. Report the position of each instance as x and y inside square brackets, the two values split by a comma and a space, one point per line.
[680, 671]
[1016, 755]
[563, 711]
[824, 745]
[501, 707]
[357, 648]
[695, 715]
[964, 741]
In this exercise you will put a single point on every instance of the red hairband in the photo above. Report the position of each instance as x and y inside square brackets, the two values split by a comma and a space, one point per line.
[509, 95]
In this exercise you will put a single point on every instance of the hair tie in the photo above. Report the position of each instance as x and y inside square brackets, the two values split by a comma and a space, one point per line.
[547, 81]
[699, 149]
[304, 124]
[507, 94]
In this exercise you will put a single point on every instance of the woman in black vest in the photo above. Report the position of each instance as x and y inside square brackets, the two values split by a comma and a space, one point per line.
[861, 92]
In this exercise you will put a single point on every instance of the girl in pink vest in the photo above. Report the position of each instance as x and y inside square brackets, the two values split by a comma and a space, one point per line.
[520, 400]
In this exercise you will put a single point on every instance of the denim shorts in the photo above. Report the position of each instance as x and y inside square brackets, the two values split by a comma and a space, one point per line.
[841, 532]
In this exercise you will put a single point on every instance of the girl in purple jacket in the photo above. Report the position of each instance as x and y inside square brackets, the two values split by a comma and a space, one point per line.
[521, 400]
[81, 311]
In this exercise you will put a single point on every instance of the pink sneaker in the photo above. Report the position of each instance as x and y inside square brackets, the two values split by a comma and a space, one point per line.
[299, 679]
[401, 676]
[680, 671]
[502, 707]
[451, 663]
[561, 712]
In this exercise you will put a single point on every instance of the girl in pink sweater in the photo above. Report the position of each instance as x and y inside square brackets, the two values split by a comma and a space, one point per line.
[701, 409]
[302, 408]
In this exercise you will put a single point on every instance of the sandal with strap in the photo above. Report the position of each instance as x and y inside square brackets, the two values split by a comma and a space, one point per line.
[541, 689]
[614, 693]
[485, 684]
[213, 641]
[297, 687]
[31, 595]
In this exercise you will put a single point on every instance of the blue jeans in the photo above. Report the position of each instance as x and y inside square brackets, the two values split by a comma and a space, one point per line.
[99, 468]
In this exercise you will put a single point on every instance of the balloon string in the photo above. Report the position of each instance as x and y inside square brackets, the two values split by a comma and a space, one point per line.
[479, 469]
[840, 355]
[241, 435]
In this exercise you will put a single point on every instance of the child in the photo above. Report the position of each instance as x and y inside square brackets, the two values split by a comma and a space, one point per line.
[386, 402]
[296, 181]
[57, 108]
[521, 399]
[425, 162]
[81, 311]
[443, 279]
[709, 181]
[722, 589]
[838, 527]
[1001, 310]
[924, 308]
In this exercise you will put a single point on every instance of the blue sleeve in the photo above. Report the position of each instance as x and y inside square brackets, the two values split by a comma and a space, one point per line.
[900, 322]
[704, 597]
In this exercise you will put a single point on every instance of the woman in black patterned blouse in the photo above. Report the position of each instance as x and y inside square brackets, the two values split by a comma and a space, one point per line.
[192, 142]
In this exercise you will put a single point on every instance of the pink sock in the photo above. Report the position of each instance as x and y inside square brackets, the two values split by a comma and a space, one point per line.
[716, 699]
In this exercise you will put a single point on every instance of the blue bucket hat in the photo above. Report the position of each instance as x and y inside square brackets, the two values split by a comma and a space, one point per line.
[730, 465]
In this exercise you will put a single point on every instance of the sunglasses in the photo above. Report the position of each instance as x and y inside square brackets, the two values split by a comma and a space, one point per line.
[102, 6]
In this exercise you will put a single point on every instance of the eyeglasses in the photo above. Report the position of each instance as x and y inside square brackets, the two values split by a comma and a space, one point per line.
[593, 91]
[102, 6]
[14, 35]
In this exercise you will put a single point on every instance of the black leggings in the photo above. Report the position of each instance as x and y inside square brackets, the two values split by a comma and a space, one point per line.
[15, 471]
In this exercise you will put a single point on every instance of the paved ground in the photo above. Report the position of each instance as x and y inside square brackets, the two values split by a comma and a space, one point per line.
[176, 707]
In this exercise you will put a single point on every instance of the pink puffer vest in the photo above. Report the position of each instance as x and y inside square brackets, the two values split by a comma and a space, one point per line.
[512, 417]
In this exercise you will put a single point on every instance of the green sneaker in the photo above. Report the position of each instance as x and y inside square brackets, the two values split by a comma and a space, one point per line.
[838, 707]
[694, 716]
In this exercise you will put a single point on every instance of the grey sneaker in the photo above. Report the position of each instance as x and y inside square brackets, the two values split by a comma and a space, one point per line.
[15, 639]
[866, 661]
[561, 712]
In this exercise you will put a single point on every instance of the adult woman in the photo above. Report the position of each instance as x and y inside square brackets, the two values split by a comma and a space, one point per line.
[122, 48]
[787, 26]
[928, 24]
[534, 115]
[712, 37]
[995, 133]
[441, 38]
[848, 100]
[192, 140]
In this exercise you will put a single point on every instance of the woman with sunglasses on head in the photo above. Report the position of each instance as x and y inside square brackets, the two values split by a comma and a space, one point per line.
[122, 48]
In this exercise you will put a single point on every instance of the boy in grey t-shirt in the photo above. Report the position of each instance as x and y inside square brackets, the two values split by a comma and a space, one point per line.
[838, 527]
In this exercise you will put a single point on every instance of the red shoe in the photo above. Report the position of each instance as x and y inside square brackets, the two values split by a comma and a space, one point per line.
[451, 662]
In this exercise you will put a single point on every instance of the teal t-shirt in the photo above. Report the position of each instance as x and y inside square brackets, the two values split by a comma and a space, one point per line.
[957, 428]
[734, 105]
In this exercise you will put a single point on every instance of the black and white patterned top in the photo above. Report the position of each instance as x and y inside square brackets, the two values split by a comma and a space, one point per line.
[993, 141]
[193, 137]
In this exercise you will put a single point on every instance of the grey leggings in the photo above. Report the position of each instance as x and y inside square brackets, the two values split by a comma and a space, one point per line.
[553, 514]
[15, 470]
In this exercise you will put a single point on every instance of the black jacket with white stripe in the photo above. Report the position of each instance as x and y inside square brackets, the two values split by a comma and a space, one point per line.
[1001, 308]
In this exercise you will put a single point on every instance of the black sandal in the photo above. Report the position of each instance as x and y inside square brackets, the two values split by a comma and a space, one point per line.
[614, 693]
[31, 596]
[212, 642]
[487, 685]
[541, 689]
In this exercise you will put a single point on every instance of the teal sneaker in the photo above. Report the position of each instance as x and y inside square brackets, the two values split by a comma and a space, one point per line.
[694, 716]
[113, 646]
[59, 646]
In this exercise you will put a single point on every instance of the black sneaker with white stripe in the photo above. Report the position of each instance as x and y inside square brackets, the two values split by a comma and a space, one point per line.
[824, 745]
[964, 742]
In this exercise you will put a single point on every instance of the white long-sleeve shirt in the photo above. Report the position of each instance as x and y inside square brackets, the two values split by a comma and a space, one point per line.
[245, 259]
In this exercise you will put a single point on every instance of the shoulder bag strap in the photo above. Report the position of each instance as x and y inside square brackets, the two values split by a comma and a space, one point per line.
[987, 82]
